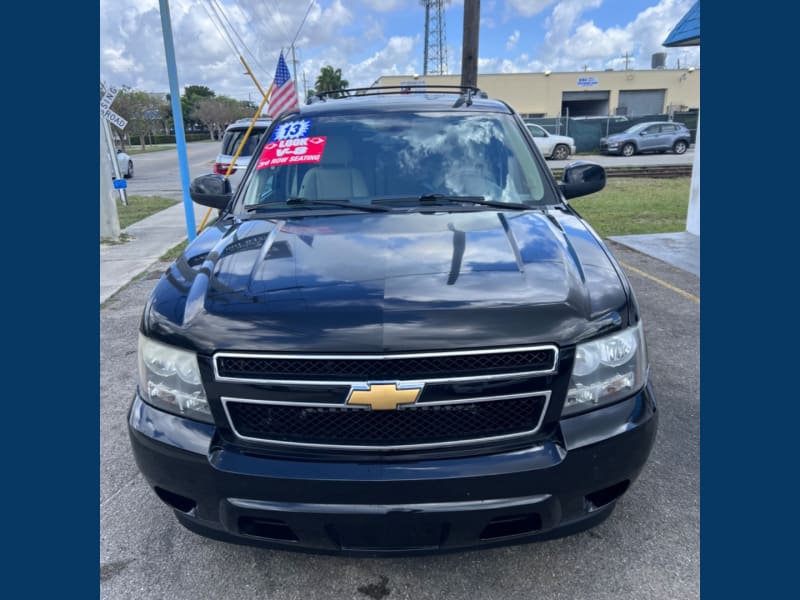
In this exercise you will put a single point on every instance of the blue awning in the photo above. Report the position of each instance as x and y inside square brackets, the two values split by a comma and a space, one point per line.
[687, 31]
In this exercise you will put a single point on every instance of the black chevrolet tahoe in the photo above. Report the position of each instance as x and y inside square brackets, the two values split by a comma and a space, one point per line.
[397, 337]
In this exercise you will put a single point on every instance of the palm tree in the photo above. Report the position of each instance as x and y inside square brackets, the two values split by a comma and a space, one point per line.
[330, 80]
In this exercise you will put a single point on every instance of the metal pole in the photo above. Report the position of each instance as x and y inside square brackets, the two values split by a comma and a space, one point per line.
[294, 68]
[175, 98]
[469, 44]
[427, 37]
[109, 218]
[112, 150]
[253, 77]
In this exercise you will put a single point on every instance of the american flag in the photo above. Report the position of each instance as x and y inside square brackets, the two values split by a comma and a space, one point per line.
[284, 96]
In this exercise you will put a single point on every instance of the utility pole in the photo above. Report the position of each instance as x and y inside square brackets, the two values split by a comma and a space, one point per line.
[469, 44]
[294, 68]
[305, 86]
[627, 58]
[109, 218]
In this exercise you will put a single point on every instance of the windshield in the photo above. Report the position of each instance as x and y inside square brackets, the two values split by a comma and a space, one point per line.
[394, 155]
[233, 137]
[637, 128]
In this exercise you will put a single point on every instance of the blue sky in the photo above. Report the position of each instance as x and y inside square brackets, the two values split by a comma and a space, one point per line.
[370, 38]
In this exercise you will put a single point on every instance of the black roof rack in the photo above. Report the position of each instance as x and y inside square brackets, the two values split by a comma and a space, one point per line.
[468, 92]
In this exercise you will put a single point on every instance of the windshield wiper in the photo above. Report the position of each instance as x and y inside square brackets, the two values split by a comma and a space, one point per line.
[297, 201]
[451, 199]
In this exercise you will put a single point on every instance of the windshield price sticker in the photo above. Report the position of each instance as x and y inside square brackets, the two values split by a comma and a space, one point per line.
[291, 130]
[292, 152]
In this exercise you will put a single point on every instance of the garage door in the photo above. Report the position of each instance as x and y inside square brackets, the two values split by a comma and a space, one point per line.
[584, 104]
[641, 102]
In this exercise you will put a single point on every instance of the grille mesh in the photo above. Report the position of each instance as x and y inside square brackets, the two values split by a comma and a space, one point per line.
[415, 425]
[375, 369]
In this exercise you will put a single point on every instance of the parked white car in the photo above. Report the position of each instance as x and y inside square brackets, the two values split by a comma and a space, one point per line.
[558, 147]
[125, 164]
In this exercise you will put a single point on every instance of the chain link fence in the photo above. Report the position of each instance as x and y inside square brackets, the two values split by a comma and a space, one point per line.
[587, 132]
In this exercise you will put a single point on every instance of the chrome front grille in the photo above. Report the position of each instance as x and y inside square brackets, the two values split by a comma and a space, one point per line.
[461, 399]
[423, 425]
[440, 366]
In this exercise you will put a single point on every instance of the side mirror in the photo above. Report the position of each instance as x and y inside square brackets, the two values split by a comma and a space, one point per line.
[211, 190]
[582, 178]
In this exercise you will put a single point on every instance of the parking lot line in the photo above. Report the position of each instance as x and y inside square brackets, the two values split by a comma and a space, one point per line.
[669, 286]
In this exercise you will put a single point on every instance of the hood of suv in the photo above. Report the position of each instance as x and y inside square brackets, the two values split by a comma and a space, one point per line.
[389, 283]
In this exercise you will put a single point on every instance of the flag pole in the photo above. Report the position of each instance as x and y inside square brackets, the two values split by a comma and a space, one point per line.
[239, 149]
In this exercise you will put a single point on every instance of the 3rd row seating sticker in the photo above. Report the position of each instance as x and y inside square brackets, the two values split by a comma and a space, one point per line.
[291, 152]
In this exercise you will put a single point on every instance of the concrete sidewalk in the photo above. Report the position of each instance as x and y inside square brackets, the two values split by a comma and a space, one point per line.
[680, 249]
[150, 239]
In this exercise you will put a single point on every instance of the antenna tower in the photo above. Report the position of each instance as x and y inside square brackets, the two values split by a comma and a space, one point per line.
[435, 59]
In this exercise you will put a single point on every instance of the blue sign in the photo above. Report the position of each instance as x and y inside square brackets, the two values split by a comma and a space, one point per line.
[120, 184]
[587, 81]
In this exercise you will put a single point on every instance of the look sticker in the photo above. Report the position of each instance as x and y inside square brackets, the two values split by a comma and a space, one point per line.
[292, 152]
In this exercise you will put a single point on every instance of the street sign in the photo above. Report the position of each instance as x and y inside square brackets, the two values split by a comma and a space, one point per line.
[114, 118]
[105, 108]
[108, 98]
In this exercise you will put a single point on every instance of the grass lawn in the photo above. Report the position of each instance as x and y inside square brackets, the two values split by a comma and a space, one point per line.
[140, 207]
[636, 205]
[175, 251]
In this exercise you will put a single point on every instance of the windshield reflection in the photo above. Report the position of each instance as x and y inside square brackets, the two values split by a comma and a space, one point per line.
[359, 158]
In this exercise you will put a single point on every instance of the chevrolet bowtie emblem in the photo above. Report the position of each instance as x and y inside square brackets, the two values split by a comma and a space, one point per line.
[384, 396]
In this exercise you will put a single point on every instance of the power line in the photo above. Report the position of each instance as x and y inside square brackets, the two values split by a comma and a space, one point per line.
[220, 28]
[303, 22]
[233, 29]
[276, 20]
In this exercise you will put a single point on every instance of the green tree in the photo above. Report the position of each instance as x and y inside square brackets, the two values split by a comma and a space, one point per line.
[142, 111]
[330, 80]
[192, 94]
[217, 112]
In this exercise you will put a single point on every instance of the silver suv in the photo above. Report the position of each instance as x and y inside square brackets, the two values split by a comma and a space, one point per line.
[230, 143]
[660, 136]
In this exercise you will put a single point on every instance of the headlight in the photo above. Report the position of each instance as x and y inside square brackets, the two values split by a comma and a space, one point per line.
[606, 370]
[169, 378]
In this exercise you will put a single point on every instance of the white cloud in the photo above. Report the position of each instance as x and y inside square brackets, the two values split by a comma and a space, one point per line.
[132, 47]
[373, 29]
[363, 40]
[398, 57]
[570, 42]
[512, 40]
[384, 5]
[527, 8]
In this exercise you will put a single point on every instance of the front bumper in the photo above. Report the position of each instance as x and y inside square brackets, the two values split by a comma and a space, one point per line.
[613, 148]
[561, 484]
